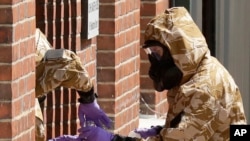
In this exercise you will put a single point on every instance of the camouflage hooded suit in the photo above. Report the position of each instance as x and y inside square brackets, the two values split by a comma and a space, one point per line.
[207, 97]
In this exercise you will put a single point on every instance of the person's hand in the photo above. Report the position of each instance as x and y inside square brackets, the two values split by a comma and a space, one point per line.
[148, 132]
[94, 133]
[93, 112]
[66, 138]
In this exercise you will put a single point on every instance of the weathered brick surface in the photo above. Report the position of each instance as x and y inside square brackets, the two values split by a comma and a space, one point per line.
[17, 70]
[118, 63]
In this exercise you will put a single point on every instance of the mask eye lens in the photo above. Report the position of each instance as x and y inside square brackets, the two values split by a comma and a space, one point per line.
[148, 51]
[151, 52]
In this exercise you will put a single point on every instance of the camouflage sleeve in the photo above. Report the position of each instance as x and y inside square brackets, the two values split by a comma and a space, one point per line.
[61, 67]
[199, 120]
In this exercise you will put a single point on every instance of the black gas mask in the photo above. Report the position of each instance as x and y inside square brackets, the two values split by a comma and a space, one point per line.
[163, 71]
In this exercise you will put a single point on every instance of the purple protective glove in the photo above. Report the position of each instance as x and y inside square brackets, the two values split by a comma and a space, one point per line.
[94, 133]
[93, 112]
[148, 132]
[66, 138]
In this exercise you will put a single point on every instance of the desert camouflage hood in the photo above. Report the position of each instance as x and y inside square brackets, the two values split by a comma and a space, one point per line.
[176, 30]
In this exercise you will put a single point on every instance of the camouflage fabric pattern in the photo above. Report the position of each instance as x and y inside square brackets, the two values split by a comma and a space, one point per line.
[42, 45]
[66, 71]
[61, 68]
[40, 131]
[208, 95]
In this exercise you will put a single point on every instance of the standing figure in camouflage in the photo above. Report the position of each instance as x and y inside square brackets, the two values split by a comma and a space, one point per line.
[204, 99]
[62, 67]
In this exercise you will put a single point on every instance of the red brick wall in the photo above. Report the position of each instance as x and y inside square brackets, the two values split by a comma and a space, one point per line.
[152, 102]
[17, 70]
[118, 62]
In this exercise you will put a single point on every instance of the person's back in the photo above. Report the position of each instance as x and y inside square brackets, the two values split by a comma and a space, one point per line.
[225, 101]
[228, 97]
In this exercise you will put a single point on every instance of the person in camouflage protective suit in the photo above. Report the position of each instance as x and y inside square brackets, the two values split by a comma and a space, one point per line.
[204, 99]
[63, 68]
